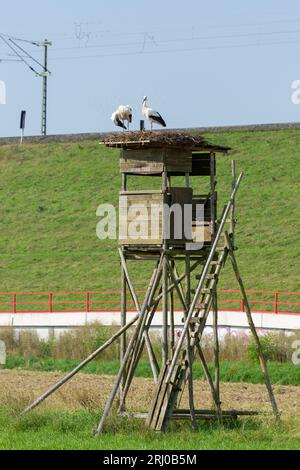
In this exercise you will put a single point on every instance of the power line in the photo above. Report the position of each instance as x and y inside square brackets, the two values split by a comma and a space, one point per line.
[201, 27]
[17, 54]
[27, 53]
[10, 60]
[152, 39]
[64, 36]
[166, 51]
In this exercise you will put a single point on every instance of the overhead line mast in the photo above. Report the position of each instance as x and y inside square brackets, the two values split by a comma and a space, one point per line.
[44, 73]
[45, 44]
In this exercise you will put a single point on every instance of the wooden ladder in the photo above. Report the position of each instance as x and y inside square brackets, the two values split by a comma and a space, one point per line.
[167, 391]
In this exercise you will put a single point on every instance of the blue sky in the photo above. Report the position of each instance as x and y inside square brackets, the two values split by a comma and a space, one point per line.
[200, 63]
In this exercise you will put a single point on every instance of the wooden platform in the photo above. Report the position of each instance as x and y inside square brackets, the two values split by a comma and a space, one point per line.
[161, 138]
[201, 415]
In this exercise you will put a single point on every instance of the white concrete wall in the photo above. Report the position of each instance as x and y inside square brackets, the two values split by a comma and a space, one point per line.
[45, 323]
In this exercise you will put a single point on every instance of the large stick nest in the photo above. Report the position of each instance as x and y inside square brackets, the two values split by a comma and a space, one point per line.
[160, 139]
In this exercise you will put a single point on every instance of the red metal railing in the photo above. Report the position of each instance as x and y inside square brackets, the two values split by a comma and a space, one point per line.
[276, 302]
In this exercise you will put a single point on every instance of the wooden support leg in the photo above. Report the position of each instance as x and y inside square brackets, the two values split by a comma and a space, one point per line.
[177, 287]
[201, 282]
[185, 304]
[209, 379]
[177, 283]
[151, 354]
[123, 322]
[139, 331]
[136, 357]
[172, 327]
[165, 312]
[252, 327]
[138, 308]
[216, 346]
[188, 281]
[71, 374]
[188, 342]
[142, 338]
[190, 383]
[232, 215]
[119, 377]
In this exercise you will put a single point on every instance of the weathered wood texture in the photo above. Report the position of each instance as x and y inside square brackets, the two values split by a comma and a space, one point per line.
[144, 208]
[201, 232]
[151, 161]
[142, 215]
[142, 161]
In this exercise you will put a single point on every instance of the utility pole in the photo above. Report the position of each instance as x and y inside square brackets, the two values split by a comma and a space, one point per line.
[28, 60]
[45, 44]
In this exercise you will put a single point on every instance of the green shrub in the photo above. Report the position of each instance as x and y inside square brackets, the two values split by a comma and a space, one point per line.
[276, 347]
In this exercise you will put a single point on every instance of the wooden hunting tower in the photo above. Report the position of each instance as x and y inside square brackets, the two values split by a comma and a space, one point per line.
[166, 156]
[188, 252]
[199, 240]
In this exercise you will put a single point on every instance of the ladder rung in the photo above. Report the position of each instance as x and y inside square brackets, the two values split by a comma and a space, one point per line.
[208, 276]
[211, 276]
[206, 290]
[202, 306]
[195, 320]
[228, 221]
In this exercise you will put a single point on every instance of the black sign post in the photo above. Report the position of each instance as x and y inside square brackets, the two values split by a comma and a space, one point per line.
[22, 124]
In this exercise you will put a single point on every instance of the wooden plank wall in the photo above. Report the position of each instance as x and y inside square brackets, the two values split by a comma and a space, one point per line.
[153, 221]
[142, 162]
[153, 161]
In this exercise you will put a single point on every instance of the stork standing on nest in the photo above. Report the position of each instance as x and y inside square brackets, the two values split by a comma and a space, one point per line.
[122, 114]
[152, 115]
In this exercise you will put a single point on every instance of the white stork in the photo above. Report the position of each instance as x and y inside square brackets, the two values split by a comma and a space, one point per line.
[152, 115]
[123, 113]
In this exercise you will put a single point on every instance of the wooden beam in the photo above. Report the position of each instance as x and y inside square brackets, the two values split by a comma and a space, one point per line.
[202, 279]
[123, 323]
[138, 331]
[71, 374]
[262, 359]
[216, 348]
[214, 392]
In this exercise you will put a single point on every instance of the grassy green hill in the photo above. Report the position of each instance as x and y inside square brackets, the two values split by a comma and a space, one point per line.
[49, 195]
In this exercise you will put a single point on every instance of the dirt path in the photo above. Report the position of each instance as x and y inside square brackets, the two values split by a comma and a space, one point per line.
[18, 388]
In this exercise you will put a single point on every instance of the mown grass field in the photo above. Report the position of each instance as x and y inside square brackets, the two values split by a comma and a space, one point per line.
[44, 430]
[50, 193]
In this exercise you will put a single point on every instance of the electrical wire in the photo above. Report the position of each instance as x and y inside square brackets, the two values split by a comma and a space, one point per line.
[18, 55]
[166, 51]
[19, 39]
[65, 36]
[145, 40]
[173, 40]
[22, 57]
[10, 60]
[30, 56]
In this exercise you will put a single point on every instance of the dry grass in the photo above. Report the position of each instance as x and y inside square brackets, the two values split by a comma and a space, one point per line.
[75, 344]
[78, 343]
[233, 347]
[86, 391]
